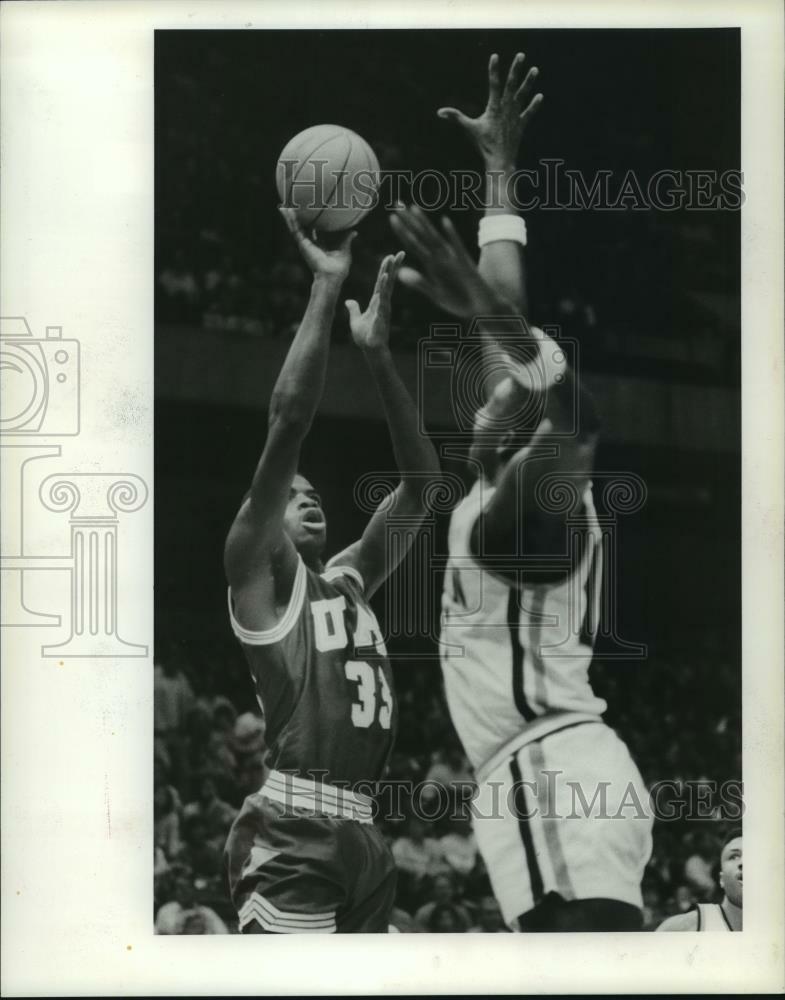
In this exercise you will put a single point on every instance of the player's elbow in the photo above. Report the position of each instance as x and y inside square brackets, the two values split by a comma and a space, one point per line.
[411, 497]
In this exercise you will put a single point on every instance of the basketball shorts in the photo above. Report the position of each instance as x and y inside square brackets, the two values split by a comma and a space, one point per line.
[299, 865]
[566, 813]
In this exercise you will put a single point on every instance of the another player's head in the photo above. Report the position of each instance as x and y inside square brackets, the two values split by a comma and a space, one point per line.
[731, 878]
[489, 916]
[505, 424]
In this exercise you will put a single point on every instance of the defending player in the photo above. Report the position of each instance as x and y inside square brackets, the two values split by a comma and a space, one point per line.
[303, 855]
[561, 817]
[727, 914]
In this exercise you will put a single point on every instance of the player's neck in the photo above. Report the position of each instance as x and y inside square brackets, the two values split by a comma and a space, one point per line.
[733, 913]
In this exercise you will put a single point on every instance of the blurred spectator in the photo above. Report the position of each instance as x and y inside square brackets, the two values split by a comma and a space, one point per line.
[684, 899]
[459, 848]
[402, 922]
[166, 822]
[160, 864]
[251, 773]
[445, 919]
[451, 769]
[653, 913]
[216, 815]
[440, 880]
[699, 868]
[442, 890]
[183, 911]
[248, 734]
[416, 852]
[180, 291]
[173, 700]
[204, 854]
[173, 697]
[489, 917]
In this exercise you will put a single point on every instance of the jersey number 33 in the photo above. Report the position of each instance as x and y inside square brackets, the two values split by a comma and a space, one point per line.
[374, 700]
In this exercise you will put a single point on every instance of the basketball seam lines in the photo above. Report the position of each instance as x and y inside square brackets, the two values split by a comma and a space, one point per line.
[337, 175]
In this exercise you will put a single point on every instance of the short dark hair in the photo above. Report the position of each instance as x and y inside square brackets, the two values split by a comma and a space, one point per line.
[733, 834]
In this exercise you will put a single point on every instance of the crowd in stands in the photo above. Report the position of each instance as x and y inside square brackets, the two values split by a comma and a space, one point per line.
[682, 727]
[664, 285]
[224, 260]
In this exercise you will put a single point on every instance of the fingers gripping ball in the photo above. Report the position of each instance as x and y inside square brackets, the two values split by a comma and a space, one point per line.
[330, 176]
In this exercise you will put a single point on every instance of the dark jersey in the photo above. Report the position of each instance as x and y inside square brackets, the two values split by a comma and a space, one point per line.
[323, 681]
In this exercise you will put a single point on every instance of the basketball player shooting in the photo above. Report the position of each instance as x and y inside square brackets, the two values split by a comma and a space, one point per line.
[303, 854]
[560, 817]
[728, 913]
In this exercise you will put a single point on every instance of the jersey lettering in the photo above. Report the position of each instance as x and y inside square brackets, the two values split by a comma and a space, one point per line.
[385, 712]
[328, 624]
[367, 631]
[364, 710]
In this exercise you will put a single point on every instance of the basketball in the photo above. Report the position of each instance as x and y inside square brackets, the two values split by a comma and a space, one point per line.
[330, 175]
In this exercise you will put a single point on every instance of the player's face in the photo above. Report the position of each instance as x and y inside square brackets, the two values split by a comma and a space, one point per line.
[731, 878]
[498, 423]
[490, 425]
[304, 520]
[490, 915]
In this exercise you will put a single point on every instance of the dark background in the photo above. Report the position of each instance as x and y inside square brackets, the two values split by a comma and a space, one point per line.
[648, 294]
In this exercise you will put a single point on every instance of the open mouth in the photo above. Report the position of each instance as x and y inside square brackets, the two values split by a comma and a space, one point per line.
[313, 520]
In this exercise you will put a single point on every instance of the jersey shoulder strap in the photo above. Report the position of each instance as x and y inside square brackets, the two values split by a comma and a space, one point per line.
[334, 571]
[266, 637]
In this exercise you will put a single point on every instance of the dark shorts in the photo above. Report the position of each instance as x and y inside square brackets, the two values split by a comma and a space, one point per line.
[291, 872]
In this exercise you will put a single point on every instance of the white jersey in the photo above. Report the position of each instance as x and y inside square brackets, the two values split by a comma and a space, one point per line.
[712, 918]
[512, 657]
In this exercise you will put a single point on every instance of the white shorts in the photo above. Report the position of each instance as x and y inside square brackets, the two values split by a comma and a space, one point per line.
[565, 813]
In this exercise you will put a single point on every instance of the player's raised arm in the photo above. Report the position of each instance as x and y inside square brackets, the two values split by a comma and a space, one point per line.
[451, 279]
[497, 134]
[415, 455]
[535, 385]
[260, 560]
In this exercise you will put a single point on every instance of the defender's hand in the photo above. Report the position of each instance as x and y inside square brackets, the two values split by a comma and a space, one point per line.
[371, 329]
[497, 132]
[449, 276]
[328, 262]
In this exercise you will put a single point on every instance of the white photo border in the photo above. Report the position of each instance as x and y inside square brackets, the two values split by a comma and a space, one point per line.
[77, 238]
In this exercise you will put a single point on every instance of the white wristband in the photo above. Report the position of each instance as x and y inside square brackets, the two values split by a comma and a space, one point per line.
[544, 371]
[501, 227]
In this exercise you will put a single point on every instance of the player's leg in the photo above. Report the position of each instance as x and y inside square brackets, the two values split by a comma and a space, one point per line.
[591, 834]
[557, 915]
[283, 872]
[372, 877]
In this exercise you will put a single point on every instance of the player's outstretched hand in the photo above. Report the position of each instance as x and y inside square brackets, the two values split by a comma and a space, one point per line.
[371, 329]
[448, 276]
[497, 132]
[329, 262]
